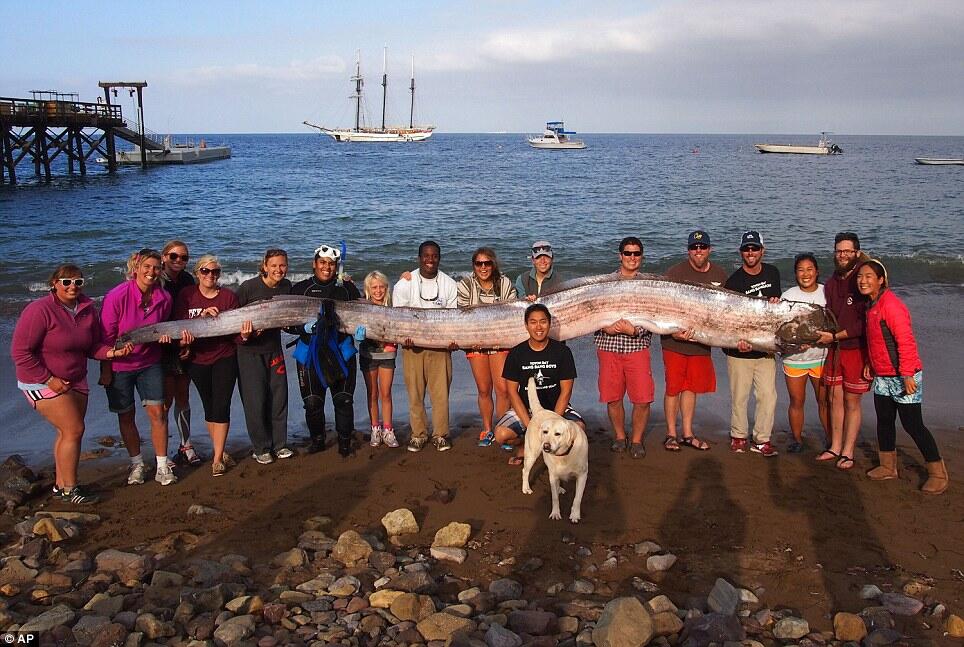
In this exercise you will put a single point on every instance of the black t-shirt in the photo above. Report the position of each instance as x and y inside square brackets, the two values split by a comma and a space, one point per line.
[173, 286]
[254, 290]
[334, 290]
[765, 284]
[549, 367]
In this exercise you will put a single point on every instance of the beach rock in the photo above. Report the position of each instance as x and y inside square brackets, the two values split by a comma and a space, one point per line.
[791, 628]
[647, 548]
[54, 531]
[900, 604]
[400, 522]
[318, 584]
[294, 558]
[273, 612]
[644, 585]
[582, 587]
[344, 587]
[245, 604]
[381, 560]
[877, 618]
[411, 606]
[124, 566]
[712, 628]
[724, 598]
[955, 626]
[17, 573]
[447, 554]
[666, 623]
[9, 590]
[316, 523]
[499, 636]
[209, 599]
[660, 604]
[88, 627]
[505, 589]
[441, 626]
[383, 599]
[351, 548]
[198, 510]
[660, 563]
[880, 637]
[532, 622]
[849, 626]
[414, 582]
[59, 615]
[454, 535]
[167, 578]
[624, 623]
[110, 635]
[870, 592]
[233, 631]
[153, 627]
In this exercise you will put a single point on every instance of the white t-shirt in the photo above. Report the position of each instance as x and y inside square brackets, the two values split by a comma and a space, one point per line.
[419, 292]
[815, 356]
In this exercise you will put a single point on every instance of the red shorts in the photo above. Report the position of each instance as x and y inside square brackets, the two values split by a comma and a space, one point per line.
[846, 366]
[688, 373]
[621, 373]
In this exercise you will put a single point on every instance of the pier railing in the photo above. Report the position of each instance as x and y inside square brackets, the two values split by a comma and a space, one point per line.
[28, 112]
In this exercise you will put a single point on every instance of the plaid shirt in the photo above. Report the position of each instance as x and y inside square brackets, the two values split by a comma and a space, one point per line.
[621, 343]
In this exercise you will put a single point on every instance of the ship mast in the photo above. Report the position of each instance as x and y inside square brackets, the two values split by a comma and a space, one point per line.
[358, 88]
[384, 82]
[411, 113]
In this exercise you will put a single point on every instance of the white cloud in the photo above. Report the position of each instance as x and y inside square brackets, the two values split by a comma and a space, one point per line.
[293, 71]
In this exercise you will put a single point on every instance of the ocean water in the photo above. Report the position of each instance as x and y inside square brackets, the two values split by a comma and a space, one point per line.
[298, 191]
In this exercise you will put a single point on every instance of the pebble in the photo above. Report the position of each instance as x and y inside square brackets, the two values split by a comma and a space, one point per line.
[449, 554]
[582, 587]
[955, 626]
[724, 597]
[660, 563]
[58, 615]
[791, 628]
[900, 604]
[505, 589]
[849, 626]
[624, 621]
[344, 587]
[870, 592]
[499, 636]
[644, 585]
[647, 548]
[400, 522]
[453, 535]
[351, 548]
[198, 510]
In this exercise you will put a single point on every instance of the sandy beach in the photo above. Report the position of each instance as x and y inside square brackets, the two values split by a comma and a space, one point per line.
[811, 536]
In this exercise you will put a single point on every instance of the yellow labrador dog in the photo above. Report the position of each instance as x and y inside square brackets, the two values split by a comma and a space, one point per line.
[564, 448]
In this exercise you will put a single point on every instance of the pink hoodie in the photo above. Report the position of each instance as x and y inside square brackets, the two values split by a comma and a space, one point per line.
[49, 341]
[122, 312]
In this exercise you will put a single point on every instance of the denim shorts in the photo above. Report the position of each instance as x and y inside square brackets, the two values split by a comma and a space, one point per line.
[149, 383]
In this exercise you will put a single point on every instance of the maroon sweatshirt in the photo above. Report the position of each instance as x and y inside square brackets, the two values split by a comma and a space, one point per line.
[848, 305]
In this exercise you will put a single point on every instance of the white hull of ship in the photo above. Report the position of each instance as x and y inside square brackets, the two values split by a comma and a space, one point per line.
[789, 148]
[572, 144]
[392, 136]
[936, 161]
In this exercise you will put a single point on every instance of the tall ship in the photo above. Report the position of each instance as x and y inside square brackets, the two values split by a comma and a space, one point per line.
[365, 133]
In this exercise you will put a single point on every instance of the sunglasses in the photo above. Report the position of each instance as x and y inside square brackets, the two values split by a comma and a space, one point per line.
[633, 254]
[483, 263]
[698, 246]
[750, 248]
[68, 282]
[541, 250]
[178, 257]
[212, 271]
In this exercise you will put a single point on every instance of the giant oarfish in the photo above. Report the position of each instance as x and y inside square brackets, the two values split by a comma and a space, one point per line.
[716, 317]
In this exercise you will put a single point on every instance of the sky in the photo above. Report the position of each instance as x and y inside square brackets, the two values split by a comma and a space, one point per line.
[700, 66]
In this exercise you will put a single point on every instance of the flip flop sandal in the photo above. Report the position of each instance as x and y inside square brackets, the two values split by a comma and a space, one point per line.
[833, 456]
[506, 447]
[636, 450]
[671, 444]
[845, 463]
[694, 443]
[619, 445]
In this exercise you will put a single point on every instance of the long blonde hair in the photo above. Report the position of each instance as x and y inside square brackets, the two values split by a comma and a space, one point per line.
[370, 280]
[135, 259]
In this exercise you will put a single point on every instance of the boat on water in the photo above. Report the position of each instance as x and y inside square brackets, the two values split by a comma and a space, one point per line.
[383, 134]
[823, 147]
[940, 161]
[170, 152]
[556, 137]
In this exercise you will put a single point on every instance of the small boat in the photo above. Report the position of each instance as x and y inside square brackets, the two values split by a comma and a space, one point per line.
[188, 152]
[823, 147]
[940, 161]
[363, 133]
[556, 137]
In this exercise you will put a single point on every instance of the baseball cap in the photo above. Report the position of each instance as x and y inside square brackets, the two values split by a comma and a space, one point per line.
[541, 248]
[698, 237]
[751, 238]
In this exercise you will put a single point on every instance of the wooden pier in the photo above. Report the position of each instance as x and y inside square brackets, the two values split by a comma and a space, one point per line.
[51, 124]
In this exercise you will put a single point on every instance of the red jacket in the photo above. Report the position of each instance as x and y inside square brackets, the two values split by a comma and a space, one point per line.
[891, 347]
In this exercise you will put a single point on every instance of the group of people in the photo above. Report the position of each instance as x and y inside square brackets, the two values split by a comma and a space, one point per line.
[874, 347]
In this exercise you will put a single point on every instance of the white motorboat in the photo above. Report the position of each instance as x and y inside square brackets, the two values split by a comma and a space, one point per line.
[940, 161]
[556, 137]
[823, 147]
[363, 133]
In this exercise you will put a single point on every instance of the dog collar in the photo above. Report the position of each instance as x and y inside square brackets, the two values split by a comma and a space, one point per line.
[566, 453]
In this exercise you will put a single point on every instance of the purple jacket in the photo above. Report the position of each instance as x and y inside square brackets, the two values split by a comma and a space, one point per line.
[121, 312]
[48, 341]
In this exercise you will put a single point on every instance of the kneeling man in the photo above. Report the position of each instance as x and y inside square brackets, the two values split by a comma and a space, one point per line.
[549, 362]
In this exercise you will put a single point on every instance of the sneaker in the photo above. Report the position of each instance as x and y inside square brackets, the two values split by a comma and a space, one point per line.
[442, 444]
[738, 445]
[376, 439]
[188, 455]
[228, 461]
[317, 445]
[218, 469]
[795, 447]
[165, 476]
[136, 474]
[284, 453]
[764, 448]
[77, 496]
[416, 444]
[486, 438]
[388, 437]
[263, 459]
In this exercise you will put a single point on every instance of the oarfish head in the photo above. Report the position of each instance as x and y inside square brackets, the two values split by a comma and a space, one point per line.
[803, 329]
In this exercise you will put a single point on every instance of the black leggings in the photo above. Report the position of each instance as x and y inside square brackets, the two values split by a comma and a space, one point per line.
[215, 384]
[912, 421]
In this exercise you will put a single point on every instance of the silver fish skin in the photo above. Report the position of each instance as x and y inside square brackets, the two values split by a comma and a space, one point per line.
[716, 316]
